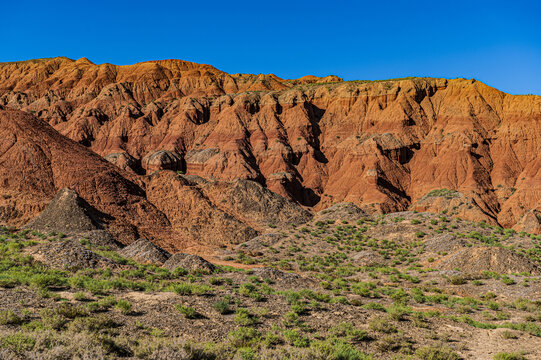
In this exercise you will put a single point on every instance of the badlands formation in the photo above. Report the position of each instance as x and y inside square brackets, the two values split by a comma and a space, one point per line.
[169, 210]
[108, 132]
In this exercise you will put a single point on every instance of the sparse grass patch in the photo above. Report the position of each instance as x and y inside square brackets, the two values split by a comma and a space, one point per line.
[187, 311]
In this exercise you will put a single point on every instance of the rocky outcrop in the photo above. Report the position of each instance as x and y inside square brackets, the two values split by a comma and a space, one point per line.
[145, 252]
[341, 211]
[67, 213]
[257, 245]
[382, 145]
[162, 160]
[256, 205]
[194, 214]
[475, 260]
[188, 262]
[529, 222]
[123, 160]
[443, 243]
[99, 238]
[172, 211]
[70, 254]
[36, 162]
[454, 203]
[219, 213]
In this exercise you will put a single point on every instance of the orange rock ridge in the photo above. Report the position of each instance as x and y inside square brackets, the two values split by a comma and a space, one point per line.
[383, 145]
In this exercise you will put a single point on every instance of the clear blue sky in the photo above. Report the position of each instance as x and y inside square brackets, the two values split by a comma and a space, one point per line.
[497, 42]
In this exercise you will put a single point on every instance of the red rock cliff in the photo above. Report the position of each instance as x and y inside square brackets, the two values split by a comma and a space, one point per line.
[385, 145]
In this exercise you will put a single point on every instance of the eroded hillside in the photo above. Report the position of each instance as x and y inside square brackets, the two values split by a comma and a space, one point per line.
[383, 145]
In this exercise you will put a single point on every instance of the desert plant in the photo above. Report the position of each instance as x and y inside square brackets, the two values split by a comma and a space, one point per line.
[382, 324]
[187, 311]
[509, 356]
[436, 353]
[222, 307]
[124, 306]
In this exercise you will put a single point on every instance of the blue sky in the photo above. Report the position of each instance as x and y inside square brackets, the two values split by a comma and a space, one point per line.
[497, 42]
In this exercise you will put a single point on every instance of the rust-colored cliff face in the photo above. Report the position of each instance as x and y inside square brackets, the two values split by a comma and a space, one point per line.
[36, 161]
[383, 145]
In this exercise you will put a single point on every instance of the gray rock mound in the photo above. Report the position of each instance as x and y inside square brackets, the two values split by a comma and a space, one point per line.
[188, 262]
[496, 259]
[444, 243]
[256, 245]
[341, 211]
[284, 280]
[70, 254]
[100, 238]
[261, 205]
[66, 213]
[144, 251]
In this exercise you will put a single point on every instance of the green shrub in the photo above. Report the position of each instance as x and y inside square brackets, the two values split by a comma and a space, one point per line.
[182, 289]
[291, 319]
[8, 283]
[338, 350]
[180, 272]
[393, 342]
[363, 288]
[507, 280]
[92, 324]
[349, 333]
[398, 312]
[70, 311]
[436, 353]
[48, 280]
[374, 306]
[271, 339]
[51, 320]
[299, 309]
[295, 338]
[222, 307]
[201, 289]
[216, 281]
[418, 295]
[292, 297]
[244, 336]
[80, 296]
[457, 280]
[509, 356]
[339, 300]
[400, 296]
[18, 342]
[246, 353]
[8, 317]
[250, 290]
[244, 317]
[509, 335]
[383, 325]
[124, 306]
[187, 311]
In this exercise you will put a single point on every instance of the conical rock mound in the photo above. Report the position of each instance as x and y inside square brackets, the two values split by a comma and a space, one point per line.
[188, 262]
[145, 252]
[66, 213]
